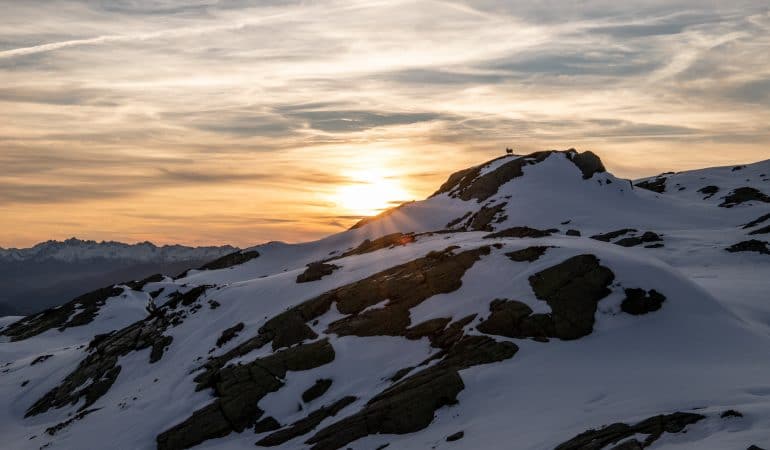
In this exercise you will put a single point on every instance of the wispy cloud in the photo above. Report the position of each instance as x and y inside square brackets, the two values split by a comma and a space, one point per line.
[161, 108]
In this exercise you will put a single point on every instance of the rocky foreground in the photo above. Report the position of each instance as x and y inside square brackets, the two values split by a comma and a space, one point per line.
[533, 302]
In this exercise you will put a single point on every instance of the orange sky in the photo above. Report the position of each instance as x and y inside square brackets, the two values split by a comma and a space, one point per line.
[215, 122]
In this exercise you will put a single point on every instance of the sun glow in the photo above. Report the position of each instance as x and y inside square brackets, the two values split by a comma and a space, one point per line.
[369, 193]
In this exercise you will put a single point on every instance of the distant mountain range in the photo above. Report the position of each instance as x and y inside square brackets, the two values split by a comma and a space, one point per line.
[53, 272]
[533, 302]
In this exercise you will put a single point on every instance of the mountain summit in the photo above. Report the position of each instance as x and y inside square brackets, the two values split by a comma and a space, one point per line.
[532, 302]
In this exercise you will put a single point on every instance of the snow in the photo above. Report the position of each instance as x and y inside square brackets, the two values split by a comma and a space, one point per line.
[706, 350]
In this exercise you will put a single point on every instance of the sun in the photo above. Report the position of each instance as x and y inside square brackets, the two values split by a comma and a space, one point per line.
[369, 193]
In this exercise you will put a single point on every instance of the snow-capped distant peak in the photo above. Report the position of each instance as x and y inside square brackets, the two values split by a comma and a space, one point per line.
[74, 249]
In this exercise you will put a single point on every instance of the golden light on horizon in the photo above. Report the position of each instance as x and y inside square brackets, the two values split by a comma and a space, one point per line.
[370, 192]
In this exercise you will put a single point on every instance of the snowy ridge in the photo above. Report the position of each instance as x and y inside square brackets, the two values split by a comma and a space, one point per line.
[74, 249]
[530, 302]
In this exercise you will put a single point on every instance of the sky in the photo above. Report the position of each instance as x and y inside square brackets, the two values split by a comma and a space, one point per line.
[232, 121]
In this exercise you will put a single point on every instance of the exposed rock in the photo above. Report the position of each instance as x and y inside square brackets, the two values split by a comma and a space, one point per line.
[98, 371]
[238, 389]
[387, 241]
[139, 285]
[648, 236]
[458, 220]
[481, 220]
[315, 271]
[572, 232]
[587, 162]
[455, 437]
[757, 221]
[572, 289]
[639, 301]
[62, 425]
[730, 413]
[40, 359]
[305, 425]
[607, 237]
[763, 230]
[752, 245]
[742, 195]
[159, 346]
[230, 260]
[229, 334]
[657, 185]
[409, 405]
[709, 191]
[404, 287]
[74, 313]
[514, 319]
[186, 299]
[519, 232]
[429, 328]
[653, 427]
[265, 425]
[316, 390]
[754, 447]
[631, 444]
[528, 254]
[470, 184]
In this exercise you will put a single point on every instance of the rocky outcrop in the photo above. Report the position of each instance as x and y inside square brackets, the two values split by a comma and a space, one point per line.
[653, 427]
[752, 245]
[98, 371]
[519, 232]
[316, 390]
[528, 254]
[588, 163]
[709, 191]
[657, 185]
[410, 404]
[645, 238]
[483, 218]
[238, 389]
[757, 221]
[80, 311]
[233, 259]
[607, 237]
[387, 241]
[228, 334]
[743, 195]
[306, 424]
[315, 271]
[404, 287]
[572, 289]
[639, 301]
[763, 230]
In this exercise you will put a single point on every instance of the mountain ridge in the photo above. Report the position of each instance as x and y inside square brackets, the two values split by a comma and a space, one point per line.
[525, 305]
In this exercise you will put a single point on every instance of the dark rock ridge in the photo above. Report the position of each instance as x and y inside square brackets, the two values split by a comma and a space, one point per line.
[528, 254]
[743, 195]
[404, 288]
[98, 371]
[757, 221]
[482, 219]
[471, 184]
[74, 313]
[653, 427]
[709, 191]
[519, 232]
[228, 334]
[316, 390]
[238, 389]
[639, 301]
[233, 259]
[645, 238]
[387, 241]
[572, 289]
[752, 245]
[410, 404]
[763, 230]
[306, 424]
[657, 185]
[315, 271]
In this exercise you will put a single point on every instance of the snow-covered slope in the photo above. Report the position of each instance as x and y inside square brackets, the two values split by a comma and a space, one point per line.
[527, 304]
